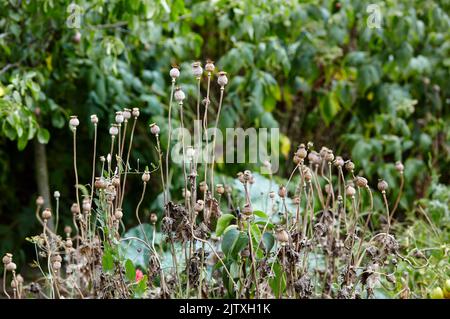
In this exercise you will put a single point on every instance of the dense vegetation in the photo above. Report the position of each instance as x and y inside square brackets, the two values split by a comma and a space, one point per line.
[312, 68]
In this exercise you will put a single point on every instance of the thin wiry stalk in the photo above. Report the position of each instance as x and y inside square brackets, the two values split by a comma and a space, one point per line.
[137, 213]
[205, 128]
[400, 192]
[75, 164]
[127, 162]
[216, 124]
[169, 137]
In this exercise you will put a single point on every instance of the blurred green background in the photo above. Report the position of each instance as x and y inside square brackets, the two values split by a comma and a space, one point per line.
[315, 69]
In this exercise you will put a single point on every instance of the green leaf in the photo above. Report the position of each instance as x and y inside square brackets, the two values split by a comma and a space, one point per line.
[141, 287]
[234, 241]
[108, 262]
[268, 241]
[43, 135]
[278, 282]
[329, 107]
[260, 214]
[223, 223]
[130, 271]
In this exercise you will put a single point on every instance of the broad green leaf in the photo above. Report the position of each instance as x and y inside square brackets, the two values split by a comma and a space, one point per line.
[130, 271]
[43, 135]
[223, 222]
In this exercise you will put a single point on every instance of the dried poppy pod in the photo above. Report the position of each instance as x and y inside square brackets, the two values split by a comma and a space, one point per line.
[74, 209]
[302, 152]
[56, 265]
[222, 80]
[247, 210]
[272, 194]
[154, 129]
[329, 156]
[113, 130]
[57, 194]
[307, 174]
[328, 188]
[126, 114]
[69, 243]
[282, 235]
[297, 200]
[56, 258]
[39, 201]
[228, 189]
[86, 205]
[350, 191]
[199, 205]
[174, 72]
[67, 230]
[94, 119]
[349, 166]
[73, 122]
[203, 187]
[7, 258]
[339, 161]
[220, 189]
[209, 66]
[146, 176]
[118, 214]
[179, 95]
[382, 186]
[399, 167]
[197, 69]
[241, 178]
[46, 214]
[186, 193]
[153, 218]
[361, 181]
[247, 175]
[135, 112]
[119, 117]
[11, 266]
[99, 183]
[282, 191]
[296, 159]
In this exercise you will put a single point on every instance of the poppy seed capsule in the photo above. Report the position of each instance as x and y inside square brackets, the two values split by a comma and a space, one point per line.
[350, 191]
[94, 119]
[296, 159]
[307, 174]
[115, 181]
[302, 152]
[46, 214]
[86, 205]
[113, 130]
[220, 189]
[174, 72]
[153, 218]
[135, 112]
[126, 114]
[272, 194]
[7, 258]
[199, 205]
[68, 230]
[40, 201]
[361, 181]
[203, 187]
[209, 66]
[118, 214]
[399, 167]
[119, 117]
[382, 185]
[328, 189]
[75, 209]
[349, 166]
[296, 200]
[186, 193]
[339, 161]
[329, 156]
[197, 69]
[56, 258]
[247, 175]
[222, 80]
[74, 122]
[57, 194]
[10, 266]
[99, 183]
[247, 210]
[282, 236]
[154, 129]
[19, 279]
[282, 191]
[69, 243]
[56, 265]
[146, 176]
[179, 95]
